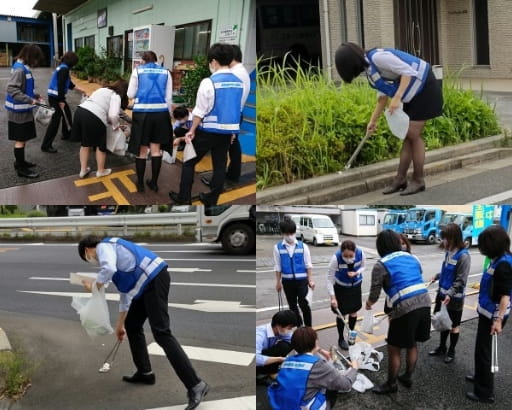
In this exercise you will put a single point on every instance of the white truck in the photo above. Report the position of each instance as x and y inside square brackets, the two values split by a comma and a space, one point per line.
[232, 225]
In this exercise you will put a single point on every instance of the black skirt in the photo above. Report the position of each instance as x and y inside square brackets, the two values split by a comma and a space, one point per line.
[149, 127]
[348, 298]
[428, 103]
[89, 130]
[21, 132]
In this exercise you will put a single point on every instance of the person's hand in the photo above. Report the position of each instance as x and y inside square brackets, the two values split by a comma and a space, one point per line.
[334, 303]
[394, 104]
[87, 285]
[176, 142]
[189, 136]
[446, 300]
[371, 127]
[279, 286]
[311, 284]
[368, 305]
[433, 279]
[120, 332]
[62, 105]
[354, 364]
[351, 274]
[325, 354]
[496, 326]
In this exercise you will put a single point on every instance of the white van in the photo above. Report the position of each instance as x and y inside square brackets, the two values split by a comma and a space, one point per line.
[318, 229]
[296, 219]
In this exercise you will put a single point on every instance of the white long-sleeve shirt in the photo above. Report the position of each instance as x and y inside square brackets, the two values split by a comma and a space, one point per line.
[133, 86]
[105, 104]
[240, 71]
[333, 268]
[291, 248]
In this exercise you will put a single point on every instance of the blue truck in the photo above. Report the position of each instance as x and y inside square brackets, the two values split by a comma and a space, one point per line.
[421, 224]
[394, 219]
[465, 222]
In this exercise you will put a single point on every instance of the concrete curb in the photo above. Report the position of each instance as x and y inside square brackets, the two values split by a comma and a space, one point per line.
[4, 341]
[363, 179]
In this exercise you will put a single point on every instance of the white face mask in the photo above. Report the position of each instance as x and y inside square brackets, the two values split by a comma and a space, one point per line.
[286, 333]
[91, 260]
[212, 70]
[404, 248]
[349, 260]
[289, 238]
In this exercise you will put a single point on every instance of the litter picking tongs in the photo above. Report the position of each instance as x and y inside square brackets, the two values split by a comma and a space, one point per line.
[358, 149]
[494, 353]
[107, 365]
[345, 325]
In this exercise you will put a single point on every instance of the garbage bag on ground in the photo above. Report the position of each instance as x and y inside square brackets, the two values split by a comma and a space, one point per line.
[362, 383]
[441, 320]
[367, 357]
[93, 312]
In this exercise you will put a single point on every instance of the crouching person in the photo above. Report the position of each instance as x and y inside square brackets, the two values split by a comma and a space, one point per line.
[306, 380]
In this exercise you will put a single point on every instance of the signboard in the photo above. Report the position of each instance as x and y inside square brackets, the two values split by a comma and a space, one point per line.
[483, 216]
[228, 34]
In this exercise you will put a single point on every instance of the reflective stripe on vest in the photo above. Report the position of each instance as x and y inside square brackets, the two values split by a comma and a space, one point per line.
[486, 306]
[448, 274]
[288, 392]
[389, 87]
[224, 118]
[53, 87]
[404, 270]
[10, 103]
[292, 267]
[341, 275]
[151, 89]
[147, 266]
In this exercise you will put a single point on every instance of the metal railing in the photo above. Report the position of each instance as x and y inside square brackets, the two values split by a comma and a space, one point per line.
[121, 223]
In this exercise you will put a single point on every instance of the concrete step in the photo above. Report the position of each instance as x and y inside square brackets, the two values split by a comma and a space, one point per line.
[341, 186]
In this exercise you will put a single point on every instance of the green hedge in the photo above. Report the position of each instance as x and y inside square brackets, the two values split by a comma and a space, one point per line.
[308, 126]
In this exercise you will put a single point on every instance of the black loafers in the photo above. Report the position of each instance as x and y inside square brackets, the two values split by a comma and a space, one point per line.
[177, 200]
[140, 378]
[405, 380]
[470, 378]
[196, 395]
[472, 396]
[438, 352]
[448, 359]
[385, 388]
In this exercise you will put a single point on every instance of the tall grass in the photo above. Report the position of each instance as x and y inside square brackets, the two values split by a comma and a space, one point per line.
[309, 126]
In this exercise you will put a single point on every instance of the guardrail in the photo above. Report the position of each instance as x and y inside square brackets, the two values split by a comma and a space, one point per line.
[124, 222]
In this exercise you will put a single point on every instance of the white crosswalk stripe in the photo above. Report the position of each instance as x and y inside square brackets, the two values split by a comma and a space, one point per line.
[238, 403]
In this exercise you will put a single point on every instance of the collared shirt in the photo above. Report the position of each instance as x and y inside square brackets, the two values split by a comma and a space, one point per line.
[206, 96]
[266, 338]
[134, 85]
[291, 248]
[240, 71]
[333, 268]
[113, 257]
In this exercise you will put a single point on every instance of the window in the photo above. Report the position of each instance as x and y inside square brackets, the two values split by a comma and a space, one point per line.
[215, 210]
[192, 40]
[79, 43]
[367, 220]
[343, 20]
[115, 46]
[89, 41]
[360, 22]
[481, 22]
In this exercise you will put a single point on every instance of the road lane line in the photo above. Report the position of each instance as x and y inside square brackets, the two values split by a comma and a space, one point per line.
[493, 199]
[209, 355]
[238, 403]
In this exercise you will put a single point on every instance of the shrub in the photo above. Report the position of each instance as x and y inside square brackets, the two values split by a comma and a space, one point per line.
[193, 79]
[35, 214]
[308, 126]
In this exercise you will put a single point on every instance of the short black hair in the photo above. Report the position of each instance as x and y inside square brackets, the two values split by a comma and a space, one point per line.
[388, 241]
[221, 52]
[90, 241]
[149, 56]
[350, 61]
[237, 53]
[453, 235]
[284, 318]
[69, 58]
[32, 55]
[287, 226]
[180, 112]
[348, 245]
[494, 242]
[304, 340]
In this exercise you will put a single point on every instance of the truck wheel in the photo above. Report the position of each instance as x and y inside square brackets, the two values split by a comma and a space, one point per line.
[431, 238]
[238, 239]
[315, 243]
[468, 242]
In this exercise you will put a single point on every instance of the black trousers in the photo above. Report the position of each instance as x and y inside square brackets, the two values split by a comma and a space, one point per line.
[152, 305]
[203, 142]
[280, 349]
[235, 161]
[296, 291]
[53, 127]
[484, 379]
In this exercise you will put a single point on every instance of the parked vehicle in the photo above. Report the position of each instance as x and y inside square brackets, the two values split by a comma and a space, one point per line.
[465, 222]
[395, 220]
[359, 222]
[421, 224]
[318, 229]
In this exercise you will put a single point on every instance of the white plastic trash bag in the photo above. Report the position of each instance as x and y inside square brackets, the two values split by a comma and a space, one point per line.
[441, 320]
[398, 122]
[170, 159]
[116, 141]
[309, 296]
[362, 383]
[366, 356]
[367, 324]
[93, 312]
[44, 115]
[189, 152]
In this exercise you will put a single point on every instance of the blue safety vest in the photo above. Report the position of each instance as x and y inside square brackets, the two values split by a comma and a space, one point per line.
[152, 83]
[405, 273]
[10, 103]
[448, 274]
[486, 306]
[53, 87]
[288, 392]
[224, 118]
[147, 266]
[341, 277]
[389, 87]
[292, 267]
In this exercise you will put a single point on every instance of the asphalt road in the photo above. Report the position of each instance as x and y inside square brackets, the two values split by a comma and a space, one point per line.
[212, 307]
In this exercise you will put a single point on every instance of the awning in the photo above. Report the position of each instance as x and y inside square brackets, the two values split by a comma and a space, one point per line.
[58, 6]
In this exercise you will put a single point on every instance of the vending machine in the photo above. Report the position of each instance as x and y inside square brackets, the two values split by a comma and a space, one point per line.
[159, 39]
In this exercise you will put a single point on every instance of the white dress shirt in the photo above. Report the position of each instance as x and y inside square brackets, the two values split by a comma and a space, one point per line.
[105, 104]
[240, 71]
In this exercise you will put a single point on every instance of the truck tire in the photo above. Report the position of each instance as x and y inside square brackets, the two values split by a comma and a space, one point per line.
[238, 239]
[431, 238]
[468, 242]
[315, 243]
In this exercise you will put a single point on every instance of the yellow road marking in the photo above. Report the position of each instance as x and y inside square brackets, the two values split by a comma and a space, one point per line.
[230, 196]
[111, 189]
[3, 250]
